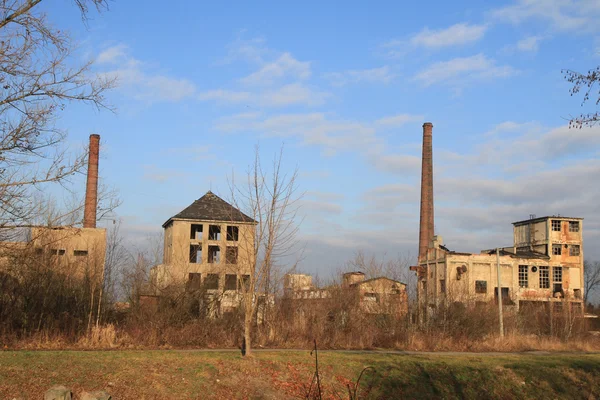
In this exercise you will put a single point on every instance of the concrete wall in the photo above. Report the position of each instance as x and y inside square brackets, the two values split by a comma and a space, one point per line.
[177, 265]
[83, 248]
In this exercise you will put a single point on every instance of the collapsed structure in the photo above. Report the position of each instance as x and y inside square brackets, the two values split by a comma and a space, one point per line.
[543, 266]
[78, 252]
[379, 295]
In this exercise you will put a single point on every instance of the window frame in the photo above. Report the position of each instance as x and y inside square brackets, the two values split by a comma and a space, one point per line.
[556, 223]
[523, 276]
[573, 247]
[544, 274]
[481, 287]
[557, 247]
[573, 226]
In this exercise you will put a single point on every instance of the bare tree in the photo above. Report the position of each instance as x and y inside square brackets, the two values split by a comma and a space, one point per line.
[39, 77]
[591, 279]
[271, 199]
[586, 83]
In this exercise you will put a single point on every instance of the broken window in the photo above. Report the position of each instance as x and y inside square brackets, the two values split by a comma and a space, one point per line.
[544, 277]
[231, 255]
[214, 254]
[557, 249]
[573, 226]
[574, 250]
[233, 233]
[480, 286]
[244, 282]
[371, 297]
[80, 253]
[443, 285]
[211, 281]
[556, 225]
[230, 282]
[196, 253]
[58, 252]
[214, 232]
[577, 293]
[194, 281]
[196, 232]
[505, 296]
[523, 276]
[557, 274]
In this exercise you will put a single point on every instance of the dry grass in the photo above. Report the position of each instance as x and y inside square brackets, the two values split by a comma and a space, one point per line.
[287, 374]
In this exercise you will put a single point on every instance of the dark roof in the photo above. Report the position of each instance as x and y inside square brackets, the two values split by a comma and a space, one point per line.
[528, 254]
[376, 279]
[527, 221]
[211, 207]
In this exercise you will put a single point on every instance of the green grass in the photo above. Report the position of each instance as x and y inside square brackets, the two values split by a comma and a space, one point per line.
[281, 375]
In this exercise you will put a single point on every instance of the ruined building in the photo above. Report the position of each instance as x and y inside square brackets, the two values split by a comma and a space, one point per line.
[372, 296]
[544, 264]
[74, 251]
[208, 246]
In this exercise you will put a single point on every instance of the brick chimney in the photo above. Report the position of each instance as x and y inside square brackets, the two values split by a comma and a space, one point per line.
[426, 230]
[91, 189]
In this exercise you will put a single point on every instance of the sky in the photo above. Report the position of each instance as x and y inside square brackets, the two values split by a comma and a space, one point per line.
[345, 87]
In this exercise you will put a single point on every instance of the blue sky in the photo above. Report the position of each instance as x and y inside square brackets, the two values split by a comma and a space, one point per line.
[346, 87]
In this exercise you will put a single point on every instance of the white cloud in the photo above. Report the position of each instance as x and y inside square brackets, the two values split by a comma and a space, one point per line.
[463, 68]
[225, 96]
[136, 79]
[286, 95]
[562, 15]
[398, 120]
[529, 44]
[373, 75]
[112, 54]
[455, 35]
[283, 67]
[313, 129]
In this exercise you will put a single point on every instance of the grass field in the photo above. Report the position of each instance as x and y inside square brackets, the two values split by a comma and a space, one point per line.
[177, 374]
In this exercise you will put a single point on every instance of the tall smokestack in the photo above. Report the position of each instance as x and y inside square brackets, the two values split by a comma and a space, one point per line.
[91, 189]
[426, 230]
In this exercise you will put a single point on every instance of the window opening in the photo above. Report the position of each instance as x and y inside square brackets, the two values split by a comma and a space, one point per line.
[244, 282]
[214, 254]
[233, 233]
[574, 250]
[556, 225]
[230, 282]
[544, 277]
[573, 226]
[211, 281]
[443, 285]
[194, 281]
[196, 253]
[196, 232]
[523, 276]
[480, 286]
[231, 255]
[214, 232]
[80, 253]
[556, 249]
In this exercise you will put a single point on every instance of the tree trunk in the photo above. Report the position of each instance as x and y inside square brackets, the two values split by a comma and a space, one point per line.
[248, 327]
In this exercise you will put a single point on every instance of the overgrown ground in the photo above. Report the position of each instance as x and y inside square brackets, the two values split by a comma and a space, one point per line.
[180, 374]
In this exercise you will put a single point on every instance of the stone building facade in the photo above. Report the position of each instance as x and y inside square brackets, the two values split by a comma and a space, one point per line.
[209, 246]
[544, 265]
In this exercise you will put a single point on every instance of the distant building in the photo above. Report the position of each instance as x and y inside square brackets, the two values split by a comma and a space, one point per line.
[545, 264]
[373, 296]
[208, 246]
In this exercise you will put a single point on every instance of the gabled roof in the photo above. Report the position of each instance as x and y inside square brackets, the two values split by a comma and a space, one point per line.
[211, 207]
